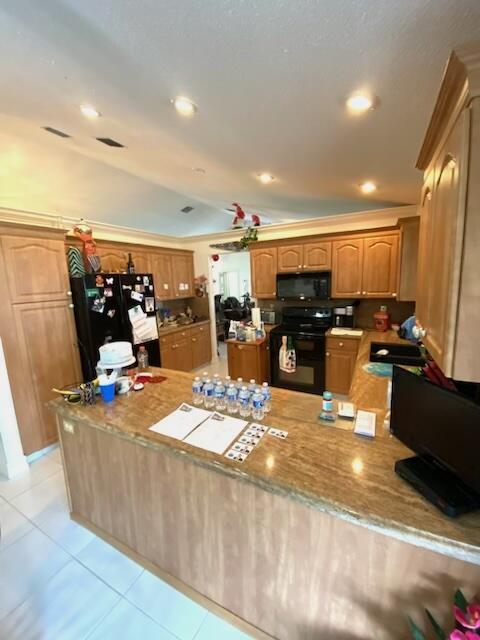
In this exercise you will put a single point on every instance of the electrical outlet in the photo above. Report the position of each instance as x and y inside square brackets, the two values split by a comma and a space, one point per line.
[68, 426]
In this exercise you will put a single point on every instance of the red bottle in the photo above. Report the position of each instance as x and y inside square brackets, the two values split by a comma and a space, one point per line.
[382, 319]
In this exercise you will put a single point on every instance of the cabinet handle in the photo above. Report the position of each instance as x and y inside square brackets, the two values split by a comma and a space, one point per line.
[358, 292]
[174, 346]
[364, 293]
[327, 354]
[299, 266]
[201, 329]
[239, 347]
[304, 266]
[183, 333]
[194, 340]
[394, 294]
[340, 344]
[70, 306]
[69, 293]
[177, 294]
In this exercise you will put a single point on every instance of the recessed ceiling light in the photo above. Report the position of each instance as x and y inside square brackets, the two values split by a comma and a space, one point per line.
[265, 178]
[359, 103]
[368, 187]
[184, 106]
[89, 111]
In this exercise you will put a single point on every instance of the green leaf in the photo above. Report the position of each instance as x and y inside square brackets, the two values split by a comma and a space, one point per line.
[416, 633]
[439, 632]
[460, 601]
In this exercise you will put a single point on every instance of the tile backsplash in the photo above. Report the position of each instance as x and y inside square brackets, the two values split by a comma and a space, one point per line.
[364, 309]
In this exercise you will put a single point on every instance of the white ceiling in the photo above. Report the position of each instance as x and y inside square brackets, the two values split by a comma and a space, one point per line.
[269, 78]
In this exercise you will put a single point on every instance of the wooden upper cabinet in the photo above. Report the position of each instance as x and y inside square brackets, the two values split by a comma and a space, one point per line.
[161, 265]
[408, 258]
[347, 268]
[317, 256]
[182, 275]
[424, 249]
[36, 268]
[263, 264]
[141, 261]
[113, 260]
[441, 236]
[380, 266]
[290, 258]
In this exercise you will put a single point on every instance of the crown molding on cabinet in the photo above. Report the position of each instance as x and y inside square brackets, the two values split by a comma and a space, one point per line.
[102, 231]
[460, 85]
[357, 221]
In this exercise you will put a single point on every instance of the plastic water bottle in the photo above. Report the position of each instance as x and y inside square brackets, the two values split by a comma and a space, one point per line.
[244, 402]
[208, 399]
[142, 359]
[227, 381]
[232, 398]
[251, 387]
[219, 395]
[267, 397]
[204, 377]
[257, 405]
[216, 379]
[239, 384]
[197, 395]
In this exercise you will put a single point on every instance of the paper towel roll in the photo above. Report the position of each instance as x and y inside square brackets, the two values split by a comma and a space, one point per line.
[256, 318]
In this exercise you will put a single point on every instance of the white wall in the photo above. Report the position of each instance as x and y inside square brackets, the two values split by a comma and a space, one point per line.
[238, 263]
[12, 460]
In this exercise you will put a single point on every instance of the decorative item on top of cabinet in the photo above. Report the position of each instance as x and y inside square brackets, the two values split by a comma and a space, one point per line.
[347, 265]
[341, 355]
[263, 264]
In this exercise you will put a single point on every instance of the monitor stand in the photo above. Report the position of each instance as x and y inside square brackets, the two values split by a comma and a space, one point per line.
[438, 485]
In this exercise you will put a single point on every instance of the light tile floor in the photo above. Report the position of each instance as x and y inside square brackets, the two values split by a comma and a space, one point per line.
[58, 581]
[219, 366]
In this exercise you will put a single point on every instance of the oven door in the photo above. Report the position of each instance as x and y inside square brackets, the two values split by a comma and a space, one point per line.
[309, 374]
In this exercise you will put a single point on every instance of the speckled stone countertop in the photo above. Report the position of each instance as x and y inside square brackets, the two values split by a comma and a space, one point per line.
[325, 467]
[165, 331]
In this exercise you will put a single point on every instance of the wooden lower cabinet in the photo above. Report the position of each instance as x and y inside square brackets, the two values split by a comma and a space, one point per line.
[46, 354]
[186, 349]
[341, 355]
[248, 360]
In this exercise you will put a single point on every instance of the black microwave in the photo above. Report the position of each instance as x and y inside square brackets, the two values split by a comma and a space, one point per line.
[304, 286]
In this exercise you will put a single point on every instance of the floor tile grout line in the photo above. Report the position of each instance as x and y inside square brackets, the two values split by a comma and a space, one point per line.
[201, 625]
[49, 477]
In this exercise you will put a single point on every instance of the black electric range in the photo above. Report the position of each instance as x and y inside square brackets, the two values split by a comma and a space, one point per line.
[303, 329]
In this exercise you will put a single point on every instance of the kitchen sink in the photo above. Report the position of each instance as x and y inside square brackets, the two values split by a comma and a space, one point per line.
[397, 354]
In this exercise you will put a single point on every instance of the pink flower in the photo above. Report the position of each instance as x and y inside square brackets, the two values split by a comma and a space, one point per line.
[470, 620]
[459, 635]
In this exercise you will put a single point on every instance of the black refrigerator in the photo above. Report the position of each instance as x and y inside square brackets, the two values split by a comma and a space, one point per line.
[112, 306]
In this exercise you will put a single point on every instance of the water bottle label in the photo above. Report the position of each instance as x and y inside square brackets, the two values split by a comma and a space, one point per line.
[244, 401]
[208, 392]
[257, 403]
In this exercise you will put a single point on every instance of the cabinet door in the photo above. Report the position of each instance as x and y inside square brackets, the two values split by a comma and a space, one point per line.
[408, 258]
[263, 264]
[48, 355]
[290, 258]
[112, 260]
[339, 370]
[380, 266]
[442, 236]
[182, 354]
[182, 274]
[242, 361]
[347, 265]
[201, 346]
[35, 268]
[422, 288]
[317, 256]
[141, 261]
[161, 265]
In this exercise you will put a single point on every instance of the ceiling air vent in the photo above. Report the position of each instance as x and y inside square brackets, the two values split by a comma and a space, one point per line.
[186, 209]
[57, 132]
[110, 142]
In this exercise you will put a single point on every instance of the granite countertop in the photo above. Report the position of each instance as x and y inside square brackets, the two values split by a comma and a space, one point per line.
[165, 331]
[325, 467]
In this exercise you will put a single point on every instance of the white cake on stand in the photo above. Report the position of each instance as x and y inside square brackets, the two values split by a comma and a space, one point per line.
[116, 355]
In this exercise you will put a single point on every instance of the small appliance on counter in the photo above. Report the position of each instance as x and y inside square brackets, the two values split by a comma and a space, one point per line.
[344, 317]
[268, 316]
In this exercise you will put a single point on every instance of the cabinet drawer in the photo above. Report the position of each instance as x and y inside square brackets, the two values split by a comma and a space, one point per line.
[345, 344]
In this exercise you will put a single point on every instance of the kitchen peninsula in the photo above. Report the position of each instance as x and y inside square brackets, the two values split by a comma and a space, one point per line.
[308, 534]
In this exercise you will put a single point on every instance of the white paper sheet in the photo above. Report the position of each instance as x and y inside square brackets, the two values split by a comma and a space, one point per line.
[181, 421]
[216, 433]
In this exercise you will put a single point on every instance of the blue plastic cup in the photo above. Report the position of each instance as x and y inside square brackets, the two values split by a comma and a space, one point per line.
[108, 392]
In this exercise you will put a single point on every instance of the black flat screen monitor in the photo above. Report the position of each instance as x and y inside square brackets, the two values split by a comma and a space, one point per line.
[433, 421]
